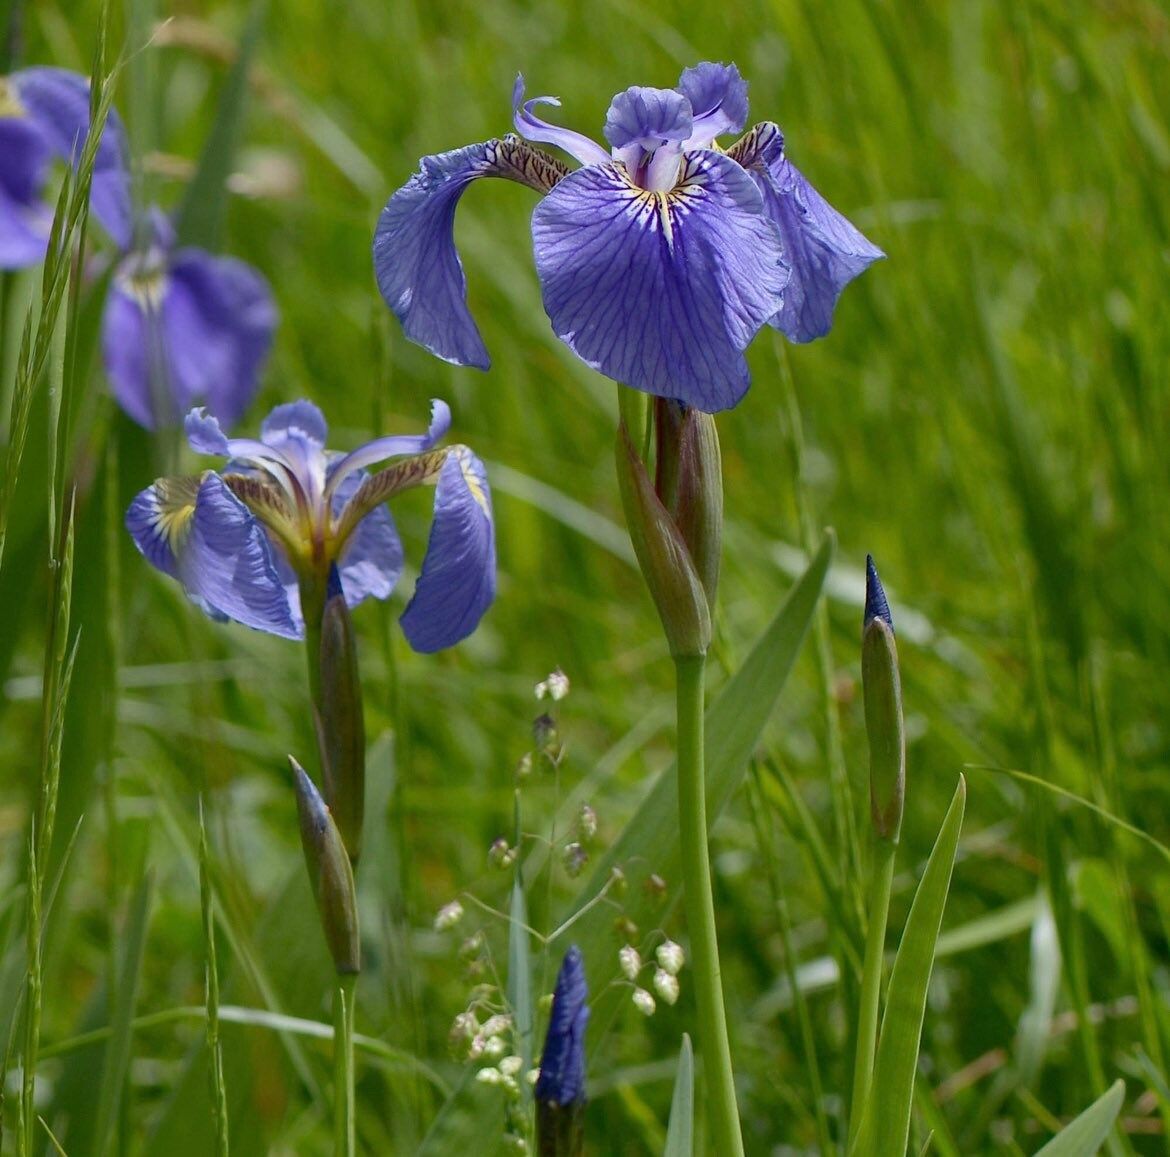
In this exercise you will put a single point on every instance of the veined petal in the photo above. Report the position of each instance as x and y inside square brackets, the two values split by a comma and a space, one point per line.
[719, 101]
[57, 101]
[825, 250]
[210, 542]
[295, 419]
[418, 269]
[648, 117]
[371, 559]
[458, 578]
[218, 320]
[204, 435]
[661, 291]
[375, 489]
[532, 128]
[392, 446]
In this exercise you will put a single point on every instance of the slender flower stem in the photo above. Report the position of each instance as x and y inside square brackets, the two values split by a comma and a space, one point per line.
[881, 880]
[344, 1130]
[700, 909]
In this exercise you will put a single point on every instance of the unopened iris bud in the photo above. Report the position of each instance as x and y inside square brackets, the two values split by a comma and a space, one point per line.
[664, 557]
[698, 508]
[560, 1087]
[341, 732]
[329, 872]
[882, 688]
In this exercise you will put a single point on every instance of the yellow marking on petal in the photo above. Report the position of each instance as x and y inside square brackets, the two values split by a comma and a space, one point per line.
[10, 105]
[174, 508]
[473, 483]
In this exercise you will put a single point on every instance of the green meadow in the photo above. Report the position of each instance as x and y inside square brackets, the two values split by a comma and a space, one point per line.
[989, 418]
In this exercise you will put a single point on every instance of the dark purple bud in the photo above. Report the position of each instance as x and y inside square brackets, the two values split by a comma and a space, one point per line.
[876, 604]
[560, 1088]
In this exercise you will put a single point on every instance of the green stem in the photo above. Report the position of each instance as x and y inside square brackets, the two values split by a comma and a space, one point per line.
[344, 1130]
[880, 883]
[700, 909]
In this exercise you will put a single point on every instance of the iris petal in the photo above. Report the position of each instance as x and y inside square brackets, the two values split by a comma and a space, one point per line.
[718, 96]
[532, 128]
[826, 251]
[458, 578]
[24, 220]
[661, 291]
[57, 102]
[130, 345]
[301, 419]
[647, 117]
[213, 545]
[392, 446]
[371, 560]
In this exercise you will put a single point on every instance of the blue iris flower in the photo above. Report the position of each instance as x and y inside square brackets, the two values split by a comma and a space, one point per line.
[183, 326]
[44, 116]
[562, 1064]
[659, 260]
[285, 514]
[180, 325]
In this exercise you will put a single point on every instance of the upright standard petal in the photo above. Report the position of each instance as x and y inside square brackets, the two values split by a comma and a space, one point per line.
[24, 219]
[719, 101]
[661, 291]
[199, 532]
[57, 101]
[825, 250]
[562, 1064]
[458, 578]
[302, 420]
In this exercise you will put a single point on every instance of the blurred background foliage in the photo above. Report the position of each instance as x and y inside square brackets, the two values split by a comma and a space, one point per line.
[989, 418]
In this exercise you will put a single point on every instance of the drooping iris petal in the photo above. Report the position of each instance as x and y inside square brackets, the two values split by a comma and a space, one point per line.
[718, 97]
[562, 1064]
[458, 578]
[24, 219]
[215, 547]
[195, 329]
[661, 291]
[204, 435]
[825, 250]
[532, 128]
[371, 560]
[57, 102]
[218, 322]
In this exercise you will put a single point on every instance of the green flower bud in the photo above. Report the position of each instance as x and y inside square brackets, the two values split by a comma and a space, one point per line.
[699, 512]
[882, 688]
[330, 873]
[663, 555]
[341, 732]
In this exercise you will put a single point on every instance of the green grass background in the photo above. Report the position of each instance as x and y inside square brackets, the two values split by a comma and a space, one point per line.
[990, 418]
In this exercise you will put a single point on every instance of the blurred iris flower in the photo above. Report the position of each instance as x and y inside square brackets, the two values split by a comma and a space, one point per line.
[182, 326]
[659, 260]
[44, 116]
[259, 540]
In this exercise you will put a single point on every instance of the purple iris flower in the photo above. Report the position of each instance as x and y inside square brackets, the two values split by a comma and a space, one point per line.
[44, 115]
[659, 260]
[183, 326]
[562, 1065]
[248, 542]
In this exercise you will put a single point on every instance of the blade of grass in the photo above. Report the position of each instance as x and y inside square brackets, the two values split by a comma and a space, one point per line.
[211, 972]
[1084, 1135]
[680, 1140]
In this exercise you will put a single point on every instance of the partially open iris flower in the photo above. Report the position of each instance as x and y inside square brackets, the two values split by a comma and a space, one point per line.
[44, 116]
[258, 540]
[659, 260]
